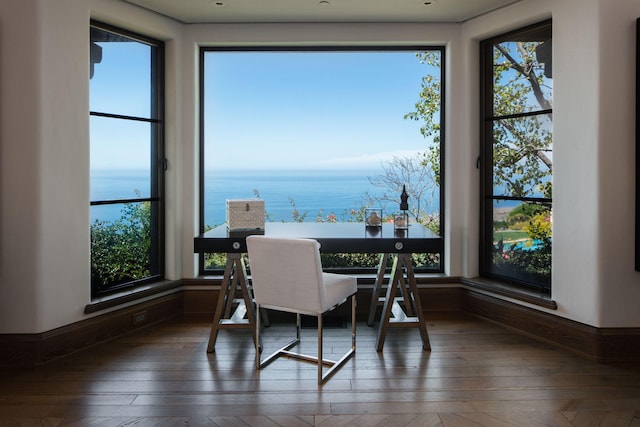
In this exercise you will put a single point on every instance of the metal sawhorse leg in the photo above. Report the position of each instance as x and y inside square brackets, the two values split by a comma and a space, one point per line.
[376, 298]
[232, 312]
[393, 315]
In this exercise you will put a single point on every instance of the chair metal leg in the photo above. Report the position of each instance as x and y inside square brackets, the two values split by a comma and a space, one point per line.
[353, 322]
[280, 352]
[257, 338]
[319, 360]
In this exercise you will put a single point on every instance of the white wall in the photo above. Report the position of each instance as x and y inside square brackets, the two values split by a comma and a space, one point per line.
[44, 166]
[594, 136]
[619, 290]
[593, 131]
[44, 155]
[576, 187]
[20, 132]
[63, 165]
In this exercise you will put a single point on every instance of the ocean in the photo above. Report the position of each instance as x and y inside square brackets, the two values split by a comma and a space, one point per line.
[314, 193]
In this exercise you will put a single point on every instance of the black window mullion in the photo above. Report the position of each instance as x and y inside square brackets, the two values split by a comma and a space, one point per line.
[122, 201]
[124, 117]
[488, 118]
[204, 50]
[519, 115]
[104, 33]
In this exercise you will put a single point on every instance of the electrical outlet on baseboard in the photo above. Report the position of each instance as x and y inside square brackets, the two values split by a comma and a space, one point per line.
[139, 318]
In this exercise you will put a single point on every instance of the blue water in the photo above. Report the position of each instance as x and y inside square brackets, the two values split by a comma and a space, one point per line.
[116, 185]
[313, 192]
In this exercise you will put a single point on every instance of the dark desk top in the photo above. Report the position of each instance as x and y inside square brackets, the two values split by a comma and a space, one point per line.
[339, 237]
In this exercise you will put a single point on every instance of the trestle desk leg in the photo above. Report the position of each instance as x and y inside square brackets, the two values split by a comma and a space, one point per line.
[413, 290]
[377, 288]
[402, 265]
[222, 297]
[235, 276]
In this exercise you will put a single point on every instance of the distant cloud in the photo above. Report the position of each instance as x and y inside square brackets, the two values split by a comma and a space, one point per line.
[366, 159]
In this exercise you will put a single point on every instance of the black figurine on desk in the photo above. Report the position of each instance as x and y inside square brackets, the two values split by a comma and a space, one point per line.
[401, 219]
[404, 205]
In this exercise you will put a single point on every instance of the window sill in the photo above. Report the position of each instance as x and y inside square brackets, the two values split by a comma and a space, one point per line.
[496, 287]
[475, 283]
[131, 295]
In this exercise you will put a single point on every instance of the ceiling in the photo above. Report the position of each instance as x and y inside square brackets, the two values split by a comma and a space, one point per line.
[237, 11]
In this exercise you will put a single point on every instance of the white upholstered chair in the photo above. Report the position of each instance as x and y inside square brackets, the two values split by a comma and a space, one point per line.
[287, 275]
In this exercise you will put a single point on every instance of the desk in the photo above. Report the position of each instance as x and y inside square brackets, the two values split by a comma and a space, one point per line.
[342, 237]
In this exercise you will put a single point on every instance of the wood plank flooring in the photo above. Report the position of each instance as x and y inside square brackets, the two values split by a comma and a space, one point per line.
[477, 374]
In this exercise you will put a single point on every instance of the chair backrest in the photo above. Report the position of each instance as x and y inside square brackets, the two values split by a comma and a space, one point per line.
[286, 273]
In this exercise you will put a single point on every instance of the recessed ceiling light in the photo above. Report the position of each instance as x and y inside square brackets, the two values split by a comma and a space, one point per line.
[323, 3]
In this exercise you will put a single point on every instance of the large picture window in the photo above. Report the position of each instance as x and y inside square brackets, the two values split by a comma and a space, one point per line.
[517, 157]
[321, 135]
[126, 118]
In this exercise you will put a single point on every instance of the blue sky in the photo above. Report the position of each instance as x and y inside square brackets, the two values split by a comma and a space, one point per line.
[271, 110]
[121, 85]
[310, 110]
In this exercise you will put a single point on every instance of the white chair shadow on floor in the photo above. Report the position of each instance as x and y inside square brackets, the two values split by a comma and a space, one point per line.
[287, 276]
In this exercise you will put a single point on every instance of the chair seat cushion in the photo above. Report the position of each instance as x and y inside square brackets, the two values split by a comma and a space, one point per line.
[337, 286]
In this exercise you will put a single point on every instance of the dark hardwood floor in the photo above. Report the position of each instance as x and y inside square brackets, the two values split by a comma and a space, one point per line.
[477, 374]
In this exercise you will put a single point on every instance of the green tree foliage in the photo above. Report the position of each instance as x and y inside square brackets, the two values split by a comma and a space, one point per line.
[522, 214]
[521, 145]
[526, 264]
[528, 258]
[427, 111]
[522, 165]
[539, 228]
[120, 250]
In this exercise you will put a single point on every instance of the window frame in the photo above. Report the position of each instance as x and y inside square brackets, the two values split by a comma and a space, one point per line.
[487, 120]
[373, 48]
[157, 160]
